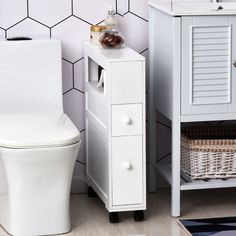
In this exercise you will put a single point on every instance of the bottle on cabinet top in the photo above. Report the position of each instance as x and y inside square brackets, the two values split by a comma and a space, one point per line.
[110, 21]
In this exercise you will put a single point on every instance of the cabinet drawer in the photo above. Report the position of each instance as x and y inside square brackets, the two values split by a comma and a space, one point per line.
[127, 82]
[127, 170]
[127, 119]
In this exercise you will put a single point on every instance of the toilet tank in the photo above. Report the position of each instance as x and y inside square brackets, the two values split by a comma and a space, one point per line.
[30, 76]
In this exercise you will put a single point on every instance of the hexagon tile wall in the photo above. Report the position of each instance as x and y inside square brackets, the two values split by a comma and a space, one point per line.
[69, 21]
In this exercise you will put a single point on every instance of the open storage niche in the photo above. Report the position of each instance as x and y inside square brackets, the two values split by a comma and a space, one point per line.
[96, 95]
[96, 73]
[217, 131]
[208, 151]
[209, 130]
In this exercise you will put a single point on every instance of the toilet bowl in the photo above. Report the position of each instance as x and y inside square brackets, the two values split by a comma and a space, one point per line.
[38, 142]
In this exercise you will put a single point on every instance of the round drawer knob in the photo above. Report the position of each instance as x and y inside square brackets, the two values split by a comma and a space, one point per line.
[127, 166]
[127, 120]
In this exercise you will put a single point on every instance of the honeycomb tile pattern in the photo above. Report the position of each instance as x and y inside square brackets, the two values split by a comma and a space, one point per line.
[67, 75]
[72, 32]
[12, 12]
[30, 28]
[49, 12]
[92, 11]
[2, 33]
[69, 21]
[137, 8]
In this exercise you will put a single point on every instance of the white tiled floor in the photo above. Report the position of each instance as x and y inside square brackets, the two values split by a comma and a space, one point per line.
[90, 218]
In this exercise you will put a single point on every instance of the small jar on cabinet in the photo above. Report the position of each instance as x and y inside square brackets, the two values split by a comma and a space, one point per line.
[112, 38]
[95, 34]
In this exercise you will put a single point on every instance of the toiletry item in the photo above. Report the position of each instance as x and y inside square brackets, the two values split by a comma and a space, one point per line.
[102, 82]
[110, 21]
[95, 34]
[101, 79]
[112, 38]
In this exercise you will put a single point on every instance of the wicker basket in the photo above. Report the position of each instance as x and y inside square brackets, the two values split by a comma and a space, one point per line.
[203, 156]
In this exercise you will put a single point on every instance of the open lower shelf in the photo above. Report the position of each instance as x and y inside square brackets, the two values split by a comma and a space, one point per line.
[165, 170]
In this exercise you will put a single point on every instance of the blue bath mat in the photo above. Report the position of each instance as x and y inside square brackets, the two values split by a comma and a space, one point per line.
[224, 226]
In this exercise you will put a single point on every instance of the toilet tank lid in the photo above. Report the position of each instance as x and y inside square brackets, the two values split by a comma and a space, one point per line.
[35, 130]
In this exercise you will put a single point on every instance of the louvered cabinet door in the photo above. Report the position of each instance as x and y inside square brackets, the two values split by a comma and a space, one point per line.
[208, 84]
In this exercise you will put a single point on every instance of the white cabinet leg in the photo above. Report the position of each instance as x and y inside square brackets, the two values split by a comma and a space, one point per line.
[175, 191]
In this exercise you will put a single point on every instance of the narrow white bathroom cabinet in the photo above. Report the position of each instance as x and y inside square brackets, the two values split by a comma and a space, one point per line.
[115, 129]
[192, 78]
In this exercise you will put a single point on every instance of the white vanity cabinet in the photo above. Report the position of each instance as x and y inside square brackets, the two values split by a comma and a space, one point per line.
[115, 129]
[192, 78]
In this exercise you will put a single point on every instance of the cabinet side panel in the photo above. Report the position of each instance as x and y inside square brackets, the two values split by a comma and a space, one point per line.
[97, 105]
[162, 61]
[97, 156]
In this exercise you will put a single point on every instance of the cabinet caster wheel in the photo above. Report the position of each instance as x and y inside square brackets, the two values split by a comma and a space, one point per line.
[92, 193]
[138, 215]
[114, 217]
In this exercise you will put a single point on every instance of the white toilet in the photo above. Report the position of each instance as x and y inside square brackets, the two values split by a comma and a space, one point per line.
[38, 142]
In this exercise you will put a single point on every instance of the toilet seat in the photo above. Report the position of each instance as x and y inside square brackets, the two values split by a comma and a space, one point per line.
[36, 130]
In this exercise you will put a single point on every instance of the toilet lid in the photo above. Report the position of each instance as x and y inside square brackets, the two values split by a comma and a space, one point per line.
[37, 130]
